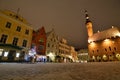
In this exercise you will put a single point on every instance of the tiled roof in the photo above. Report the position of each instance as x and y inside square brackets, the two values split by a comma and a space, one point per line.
[112, 32]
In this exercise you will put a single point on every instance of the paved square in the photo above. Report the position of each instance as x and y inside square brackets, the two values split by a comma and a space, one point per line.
[60, 71]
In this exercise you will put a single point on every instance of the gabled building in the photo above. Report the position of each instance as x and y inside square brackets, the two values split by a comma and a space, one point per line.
[103, 45]
[64, 50]
[58, 50]
[67, 52]
[15, 36]
[39, 42]
[73, 54]
[52, 46]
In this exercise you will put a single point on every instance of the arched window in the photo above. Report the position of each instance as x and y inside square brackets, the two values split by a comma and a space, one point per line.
[109, 48]
[105, 49]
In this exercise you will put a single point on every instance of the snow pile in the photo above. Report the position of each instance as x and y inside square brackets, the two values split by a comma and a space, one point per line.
[112, 32]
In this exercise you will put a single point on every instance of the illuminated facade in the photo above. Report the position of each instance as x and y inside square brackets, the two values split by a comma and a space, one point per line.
[67, 52]
[104, 45]
[57, 49]
[15, 36]
[73, 54]
[83, 55]
[52, 46]
[64, 50]
[39, 43]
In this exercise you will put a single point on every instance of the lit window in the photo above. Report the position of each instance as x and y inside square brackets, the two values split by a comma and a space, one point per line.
[118, 34]
[1, 51]
[17, 54]
[93, 57]
[5, 54]
[112, 26]
[106, 40]
[104, 56]
[117, 55]
[92, 44]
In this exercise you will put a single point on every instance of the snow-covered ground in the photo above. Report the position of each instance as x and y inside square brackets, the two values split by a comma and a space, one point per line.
[60, 71]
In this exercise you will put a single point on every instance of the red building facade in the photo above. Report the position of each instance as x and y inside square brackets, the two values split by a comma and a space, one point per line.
[39, 41]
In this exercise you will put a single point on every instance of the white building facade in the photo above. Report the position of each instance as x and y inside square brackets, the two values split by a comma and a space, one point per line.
[52, 46]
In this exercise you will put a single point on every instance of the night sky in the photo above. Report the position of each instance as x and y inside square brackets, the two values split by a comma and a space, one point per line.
[67, 17]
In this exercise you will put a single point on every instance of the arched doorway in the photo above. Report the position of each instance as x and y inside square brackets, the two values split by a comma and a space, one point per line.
[93, 58]
[98, 58]
[105, 58]
[117, 56]
[111, 57]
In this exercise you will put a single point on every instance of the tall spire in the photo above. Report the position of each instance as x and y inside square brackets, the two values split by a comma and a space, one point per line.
[17, 13]
[88, 24]
[87, 17]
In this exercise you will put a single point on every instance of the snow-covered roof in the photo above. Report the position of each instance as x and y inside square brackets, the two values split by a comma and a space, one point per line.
[112, 32]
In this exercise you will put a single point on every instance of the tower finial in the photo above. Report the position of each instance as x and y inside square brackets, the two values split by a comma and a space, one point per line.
[17, 13]
[87, 17]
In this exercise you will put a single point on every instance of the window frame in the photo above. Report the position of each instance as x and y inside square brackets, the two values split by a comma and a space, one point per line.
[8, 25]
[15, 41]
[18, 28]
[3, 38]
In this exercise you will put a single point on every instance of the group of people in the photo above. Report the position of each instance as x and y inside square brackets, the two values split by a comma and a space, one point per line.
[35, 58]
[32, 59]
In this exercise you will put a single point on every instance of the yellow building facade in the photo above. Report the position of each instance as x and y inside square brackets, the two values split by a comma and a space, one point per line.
[15, 36]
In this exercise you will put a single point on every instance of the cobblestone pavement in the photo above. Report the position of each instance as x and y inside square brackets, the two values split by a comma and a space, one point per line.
[60, 71]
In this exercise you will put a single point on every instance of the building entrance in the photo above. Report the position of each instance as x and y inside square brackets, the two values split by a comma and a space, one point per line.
[11, 55]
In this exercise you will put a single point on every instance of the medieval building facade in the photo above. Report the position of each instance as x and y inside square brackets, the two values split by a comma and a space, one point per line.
[52, 46]
[58, 50]
[39, 43]
[103, 45]
[19, 42]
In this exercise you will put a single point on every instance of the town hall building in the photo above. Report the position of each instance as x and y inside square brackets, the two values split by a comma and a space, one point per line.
[103, 45]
